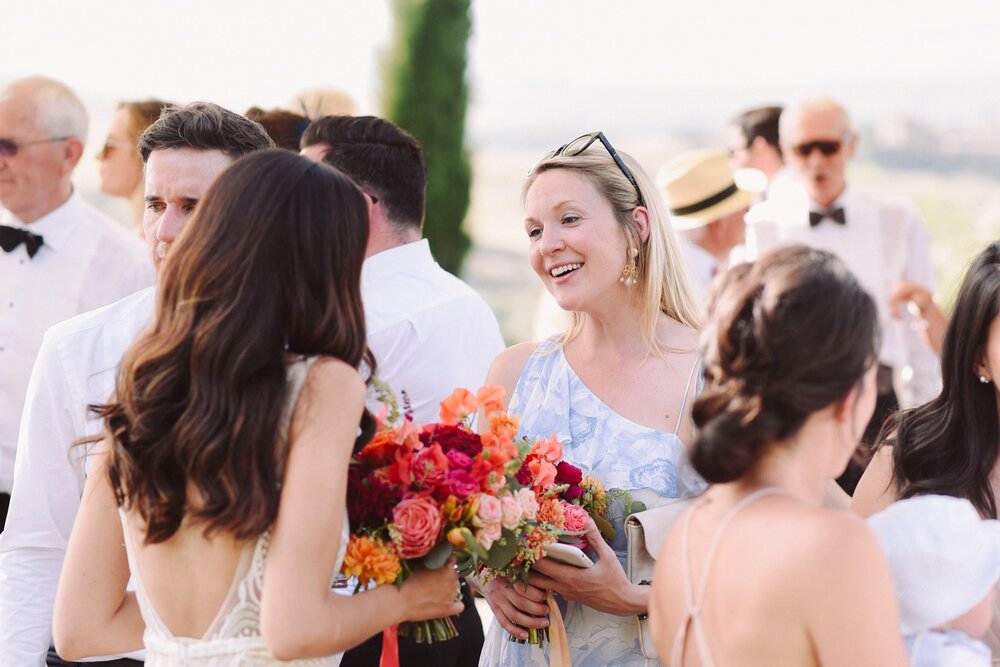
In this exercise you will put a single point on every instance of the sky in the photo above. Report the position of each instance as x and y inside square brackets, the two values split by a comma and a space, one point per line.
[535, 65]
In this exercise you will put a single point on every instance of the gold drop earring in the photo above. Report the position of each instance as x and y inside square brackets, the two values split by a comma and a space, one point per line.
[630, 274]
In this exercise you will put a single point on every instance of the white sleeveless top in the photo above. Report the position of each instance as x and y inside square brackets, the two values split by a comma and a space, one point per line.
[233, 638]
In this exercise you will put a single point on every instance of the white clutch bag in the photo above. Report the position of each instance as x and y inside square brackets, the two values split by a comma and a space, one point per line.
[645, 533]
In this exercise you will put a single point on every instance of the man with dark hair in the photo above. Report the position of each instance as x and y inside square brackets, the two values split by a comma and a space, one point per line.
[60, 255]
[429, 331]
[184, 151]
[753, 141]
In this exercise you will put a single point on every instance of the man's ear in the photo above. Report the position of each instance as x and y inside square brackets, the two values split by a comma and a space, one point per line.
[72, 152]
[852, 145]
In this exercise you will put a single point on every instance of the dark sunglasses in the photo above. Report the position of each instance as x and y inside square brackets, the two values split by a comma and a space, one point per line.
[582, 143]
[827, 148]
[9, 147]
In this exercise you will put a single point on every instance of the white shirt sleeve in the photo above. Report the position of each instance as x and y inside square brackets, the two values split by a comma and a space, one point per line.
[44, 502]
[924, 377]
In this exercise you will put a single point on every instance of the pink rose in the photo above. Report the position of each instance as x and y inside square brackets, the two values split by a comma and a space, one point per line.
[459, 459]
[576, 517]
[528, 502]
[510, 511]
[461, 483]
[429, 466]
[418, 520]
[488, 534]
[490, 511]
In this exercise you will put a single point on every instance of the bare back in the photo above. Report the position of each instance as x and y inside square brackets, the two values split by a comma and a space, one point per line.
[787, 585]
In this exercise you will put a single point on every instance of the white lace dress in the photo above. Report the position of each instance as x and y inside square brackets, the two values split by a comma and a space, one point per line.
[233, 638]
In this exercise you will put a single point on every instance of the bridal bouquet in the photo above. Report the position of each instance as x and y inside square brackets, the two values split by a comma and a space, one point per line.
[419, 494]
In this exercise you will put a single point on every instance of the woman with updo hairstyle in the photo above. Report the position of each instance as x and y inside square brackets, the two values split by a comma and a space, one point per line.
[121, 165]
[951, 444]
[615, 389]
[223, 467]
[757, 572]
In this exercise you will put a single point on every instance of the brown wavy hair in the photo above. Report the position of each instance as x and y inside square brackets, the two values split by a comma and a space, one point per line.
[788, 336]
[269, 265]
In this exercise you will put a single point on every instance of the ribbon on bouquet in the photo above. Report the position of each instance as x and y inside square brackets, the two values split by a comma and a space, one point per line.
[390, 647]
[558, 642]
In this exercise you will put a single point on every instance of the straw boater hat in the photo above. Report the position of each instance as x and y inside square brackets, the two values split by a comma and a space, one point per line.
[700, 187]
[944, 558]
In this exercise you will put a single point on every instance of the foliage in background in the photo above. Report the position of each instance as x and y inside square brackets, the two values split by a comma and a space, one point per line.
[426, 94]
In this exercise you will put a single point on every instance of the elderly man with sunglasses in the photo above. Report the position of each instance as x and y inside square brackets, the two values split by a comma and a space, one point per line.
[882, 242]
[60, 256]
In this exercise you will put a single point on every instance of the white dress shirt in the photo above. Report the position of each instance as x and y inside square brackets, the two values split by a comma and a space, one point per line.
[87, 261]
[429, 332]
[882, 243]
[702, 267]
[75, 368]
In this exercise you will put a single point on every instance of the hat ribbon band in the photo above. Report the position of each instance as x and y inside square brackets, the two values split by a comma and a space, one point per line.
[707, 202]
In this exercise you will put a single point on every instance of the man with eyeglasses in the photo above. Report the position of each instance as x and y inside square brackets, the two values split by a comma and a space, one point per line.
[60, 256]
[881, 242]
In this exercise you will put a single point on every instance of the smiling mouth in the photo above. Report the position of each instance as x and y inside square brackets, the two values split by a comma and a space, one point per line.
[161, 250]
[564, 269]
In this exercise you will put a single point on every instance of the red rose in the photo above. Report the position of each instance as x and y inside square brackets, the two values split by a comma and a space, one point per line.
[567, 473]
[418, 520]
[453, 437]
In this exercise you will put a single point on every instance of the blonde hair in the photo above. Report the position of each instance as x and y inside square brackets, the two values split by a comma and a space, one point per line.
[663, 284]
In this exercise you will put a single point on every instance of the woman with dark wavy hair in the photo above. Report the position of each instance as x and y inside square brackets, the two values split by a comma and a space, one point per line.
[757, 572]
[951, 444]
[224, 467]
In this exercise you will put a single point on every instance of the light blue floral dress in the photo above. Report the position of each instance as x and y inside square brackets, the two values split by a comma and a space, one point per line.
[550, 399]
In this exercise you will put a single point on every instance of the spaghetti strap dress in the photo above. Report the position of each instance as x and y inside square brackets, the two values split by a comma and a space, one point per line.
[651, 465]
[233, 638]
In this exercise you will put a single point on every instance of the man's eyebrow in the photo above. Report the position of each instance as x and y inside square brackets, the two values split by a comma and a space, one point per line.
[149, 198]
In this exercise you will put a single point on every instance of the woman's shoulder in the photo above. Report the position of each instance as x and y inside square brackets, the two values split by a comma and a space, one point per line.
[829, 540]
[509, 365]
[330, 376]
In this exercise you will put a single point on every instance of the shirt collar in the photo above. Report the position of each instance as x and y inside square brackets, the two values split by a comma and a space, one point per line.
[55, 226]
[397, 260]
[839, 202]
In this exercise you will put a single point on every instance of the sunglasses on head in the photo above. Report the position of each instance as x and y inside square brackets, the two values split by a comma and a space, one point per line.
[582, 143]
[9, 147]
[827, 148]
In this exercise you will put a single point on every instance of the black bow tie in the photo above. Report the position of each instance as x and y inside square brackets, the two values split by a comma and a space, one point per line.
[11, 237]
[836, 214]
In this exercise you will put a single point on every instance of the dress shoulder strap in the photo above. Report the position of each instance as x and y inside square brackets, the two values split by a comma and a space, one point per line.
[297, 372]
[692, 617]
[695, 373]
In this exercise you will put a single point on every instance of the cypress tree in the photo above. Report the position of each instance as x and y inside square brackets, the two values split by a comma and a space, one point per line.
[426, 94]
